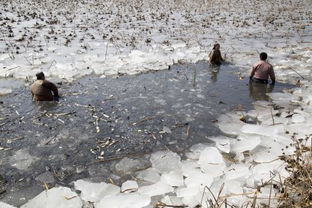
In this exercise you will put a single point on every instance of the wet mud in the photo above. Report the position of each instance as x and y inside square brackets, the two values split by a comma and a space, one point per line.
[100, 120]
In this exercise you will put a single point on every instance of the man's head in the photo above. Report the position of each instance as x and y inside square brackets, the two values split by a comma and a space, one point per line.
[40, 76]
[216, 46]
[263, 56]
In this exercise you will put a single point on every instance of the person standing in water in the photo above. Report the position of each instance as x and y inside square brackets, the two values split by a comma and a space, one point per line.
[43, 90]
[262, 70]
[215, 57]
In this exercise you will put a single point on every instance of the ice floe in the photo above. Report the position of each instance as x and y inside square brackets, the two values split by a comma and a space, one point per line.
[61, 197]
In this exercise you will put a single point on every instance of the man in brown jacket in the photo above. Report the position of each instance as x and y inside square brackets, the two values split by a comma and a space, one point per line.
[42, 89]
[262, 70]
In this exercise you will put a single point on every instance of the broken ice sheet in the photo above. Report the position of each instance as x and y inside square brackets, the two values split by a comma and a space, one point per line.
[196, 150]
[237, 172]
[198, 179]
[189, 166]
[172, 201]
[165, 161]
[297, 118]
[61, 197]
[150, 175]
[263, 130]
[128, 165]
[245, 143]
[211, 161]
[173, 178]
[129, 186]
[124, 200]
[4, 205]
[230, 123]
[5, 91]
[156, 189]
[263, 172]
[233, 187]
[95, 191]
[222, 143]
[191, 196]
[265, 155]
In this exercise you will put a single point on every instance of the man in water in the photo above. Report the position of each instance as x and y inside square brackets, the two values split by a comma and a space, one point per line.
[215, 57]
[42, 89]
[262, 70]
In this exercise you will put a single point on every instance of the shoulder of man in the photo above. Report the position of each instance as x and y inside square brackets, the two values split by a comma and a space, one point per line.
[270, 65]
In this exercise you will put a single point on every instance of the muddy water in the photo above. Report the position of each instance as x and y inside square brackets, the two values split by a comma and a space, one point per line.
[104, 119]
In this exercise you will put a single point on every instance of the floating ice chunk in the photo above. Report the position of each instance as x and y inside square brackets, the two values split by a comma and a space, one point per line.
[127, 165]
[129, 186]
[230, 124]
[172, 200]
[156, 189]
[191, 196]
[211, 161]
[125, 200]
[245, 143]
[150, 175]
[61, 197]
[296, 118]
[22, 159]
[263, 130]
[165, 161]
[196, 150]
[188, 167]
[199, 179]
[237, 171]
[263, 172]
[95, 191]
[5, 91]
[4, 205]
[264, 156]
[278, 96]
[233, 187]
[4, 56]
[216, 188]
[222, 143]
[173, 178]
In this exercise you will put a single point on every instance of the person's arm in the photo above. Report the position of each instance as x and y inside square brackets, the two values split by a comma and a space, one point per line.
[221, 56]
[252, 73]
[52, 87]
[272, 75]
[210, 56]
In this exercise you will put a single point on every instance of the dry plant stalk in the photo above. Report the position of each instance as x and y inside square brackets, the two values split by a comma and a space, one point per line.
[297, 190]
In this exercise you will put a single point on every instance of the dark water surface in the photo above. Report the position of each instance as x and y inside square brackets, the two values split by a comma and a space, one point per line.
[109, 118]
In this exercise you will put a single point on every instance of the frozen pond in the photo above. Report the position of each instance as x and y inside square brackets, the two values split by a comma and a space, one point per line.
[101, 120]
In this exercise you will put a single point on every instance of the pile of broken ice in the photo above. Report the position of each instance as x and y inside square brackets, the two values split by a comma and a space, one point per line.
[238, 167]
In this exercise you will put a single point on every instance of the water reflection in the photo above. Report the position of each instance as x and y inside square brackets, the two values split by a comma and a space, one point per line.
[214, 70]
[259, 91]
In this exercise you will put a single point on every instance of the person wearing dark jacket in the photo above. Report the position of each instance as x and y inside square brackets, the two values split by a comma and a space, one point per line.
[43, 90]
[215, 57]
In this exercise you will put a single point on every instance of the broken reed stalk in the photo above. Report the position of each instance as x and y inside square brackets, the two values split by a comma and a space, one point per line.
[194, 78]
[272, 116]
[296, 72]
